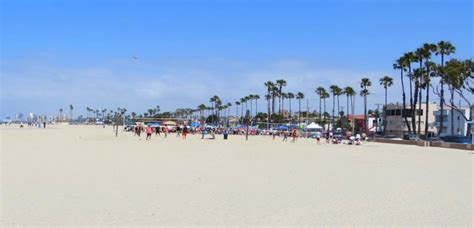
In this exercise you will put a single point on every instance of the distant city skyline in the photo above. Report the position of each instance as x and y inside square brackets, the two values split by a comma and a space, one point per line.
[177, 54]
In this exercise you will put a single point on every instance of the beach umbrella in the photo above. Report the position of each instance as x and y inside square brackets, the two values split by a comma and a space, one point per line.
[282, 128]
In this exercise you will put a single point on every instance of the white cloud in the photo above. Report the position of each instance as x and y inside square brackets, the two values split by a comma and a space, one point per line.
[168, 83]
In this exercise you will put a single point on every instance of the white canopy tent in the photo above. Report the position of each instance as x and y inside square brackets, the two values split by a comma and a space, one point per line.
[313, 125]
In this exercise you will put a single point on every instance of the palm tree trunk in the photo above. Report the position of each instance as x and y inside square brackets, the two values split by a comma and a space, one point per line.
[441, 99]
[452, 110]
[404, 111]
[365, 114]
[412, 111]
[427, 110]
[289, 104]
[385, 113]
[320, 121]
[419, 110]
[333, 106]
[299, 112]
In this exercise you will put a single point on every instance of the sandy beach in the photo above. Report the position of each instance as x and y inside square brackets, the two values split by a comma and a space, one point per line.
[83, 175]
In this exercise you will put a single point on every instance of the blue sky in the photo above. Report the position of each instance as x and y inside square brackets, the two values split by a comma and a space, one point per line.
[56, 53]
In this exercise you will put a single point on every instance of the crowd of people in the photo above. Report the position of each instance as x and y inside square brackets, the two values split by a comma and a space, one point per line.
[182, 132]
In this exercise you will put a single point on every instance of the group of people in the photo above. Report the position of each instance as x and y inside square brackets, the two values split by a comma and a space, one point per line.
[181, 132]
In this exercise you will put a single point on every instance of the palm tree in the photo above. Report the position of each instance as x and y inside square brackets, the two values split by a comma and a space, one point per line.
[428, 49]
[452, 72]
[268, 97]
[290, 96]
[386, 82]
[280, 83]
[409, 58]
[242, 101]
[70, 112]
[60, 114]
[334, 90]
[401, 64]
[325, 96]
[250, 98]
[364, 84]
[237, 103]
[283, 96]
[350, 94]
[270, 86]
[299, 97]
[430, 68]
[320, 92]
[444, 48]
[256, 98]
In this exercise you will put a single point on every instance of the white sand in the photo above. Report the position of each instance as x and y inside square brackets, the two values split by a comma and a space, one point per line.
[82, 175]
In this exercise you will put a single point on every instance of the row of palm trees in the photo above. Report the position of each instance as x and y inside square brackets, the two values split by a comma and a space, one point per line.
[421, 70]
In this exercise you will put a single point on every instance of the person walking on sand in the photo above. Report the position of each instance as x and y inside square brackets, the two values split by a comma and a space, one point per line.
[318, 138]
[295, 134]
[178, 132]
[149, 131]
[157, 131]
[185, 132]
[285, 136]
[165, 131]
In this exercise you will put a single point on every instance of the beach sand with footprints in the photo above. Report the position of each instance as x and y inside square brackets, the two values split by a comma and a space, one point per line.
[83, 175]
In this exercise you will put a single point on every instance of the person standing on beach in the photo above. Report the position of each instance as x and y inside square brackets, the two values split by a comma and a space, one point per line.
[178, 132]
[165, 131]
[149, 131]
[285, 136]
[295, 134]
[185, 132]
[157, 131]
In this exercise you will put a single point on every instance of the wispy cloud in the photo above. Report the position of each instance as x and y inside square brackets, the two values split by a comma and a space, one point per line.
[45, 87]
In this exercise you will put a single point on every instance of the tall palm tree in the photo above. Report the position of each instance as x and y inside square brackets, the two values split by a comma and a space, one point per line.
[364, 84]
[242, 101]
[430, 68]
[268, 97]
[60, 114]
[290, 96]
[70, 112]
[320, 92]
[401, 64]
[283, 96]
[410, 58]
[256, 97]
[250, 98]
[452, 72]
[299, 97]
[325, 96]
[334, 90]
[270, 86]
[444, 48]
[349, 92]
[237, 103]
[386, 82]
[280, 84]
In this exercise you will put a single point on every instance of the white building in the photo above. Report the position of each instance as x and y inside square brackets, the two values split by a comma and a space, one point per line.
[459, 124]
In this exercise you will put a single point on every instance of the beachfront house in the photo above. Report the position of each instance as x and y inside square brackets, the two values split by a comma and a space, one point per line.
[457, 125]
[396, 125]
[357, 121]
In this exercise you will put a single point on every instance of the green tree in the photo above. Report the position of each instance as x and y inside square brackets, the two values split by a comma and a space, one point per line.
[280, 84]
[386, 82]
[299, 97]
[444, 48]
[365, 83]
